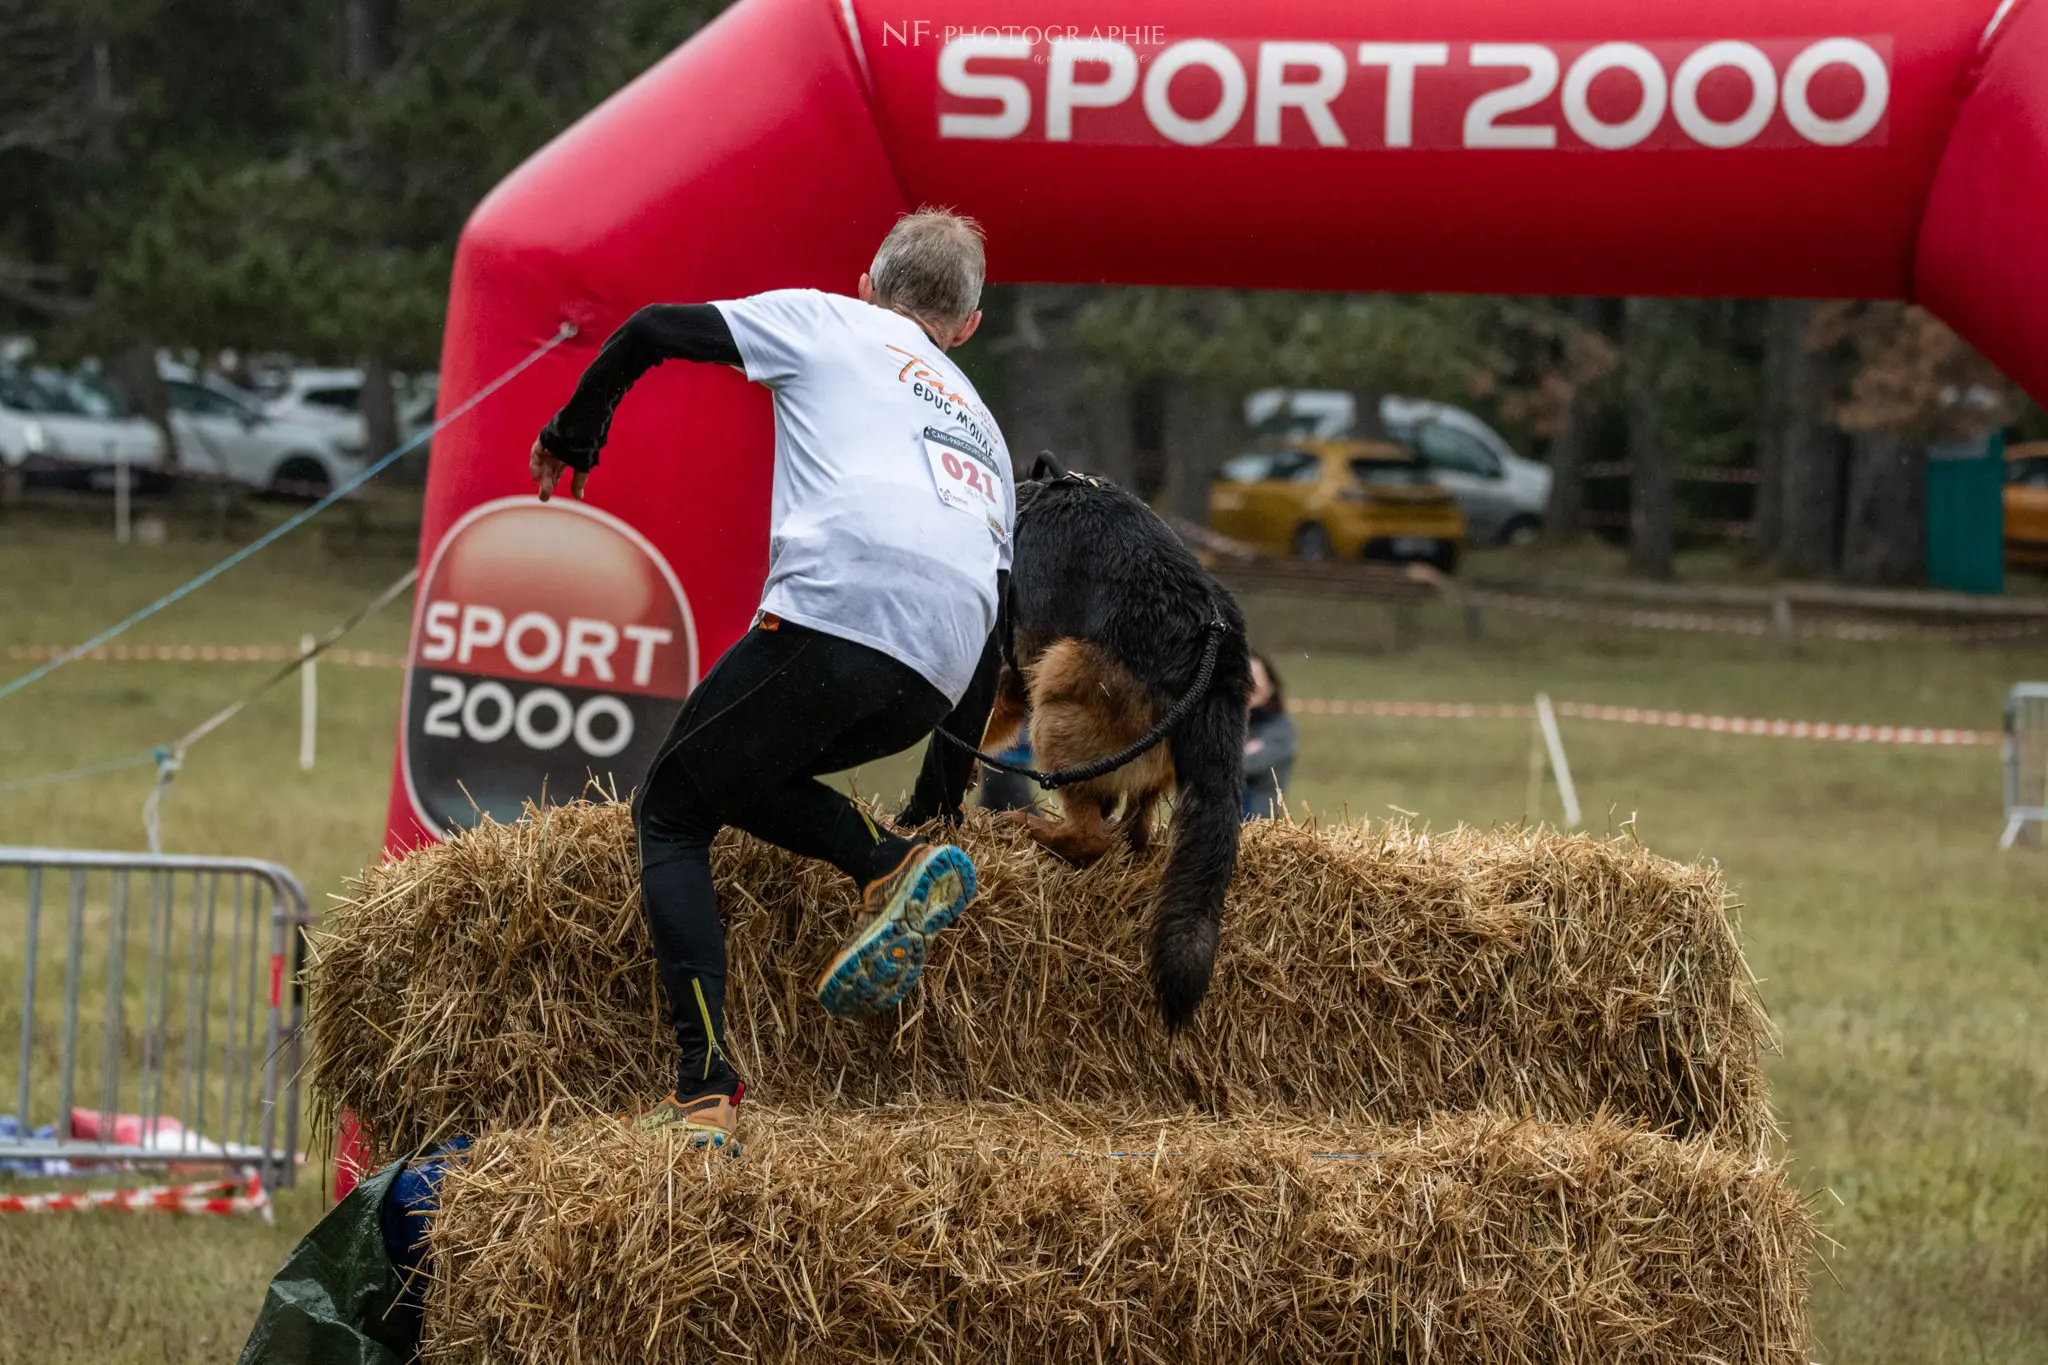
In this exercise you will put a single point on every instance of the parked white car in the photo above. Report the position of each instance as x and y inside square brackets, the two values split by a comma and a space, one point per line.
[72, 419]
[221, 430]
[1503, 494]
[330, 397]
[333, 399]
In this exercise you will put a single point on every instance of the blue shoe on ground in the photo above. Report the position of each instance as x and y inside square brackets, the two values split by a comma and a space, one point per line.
[877, 966]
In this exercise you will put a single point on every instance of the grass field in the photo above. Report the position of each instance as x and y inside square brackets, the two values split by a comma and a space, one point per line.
[1901, 954]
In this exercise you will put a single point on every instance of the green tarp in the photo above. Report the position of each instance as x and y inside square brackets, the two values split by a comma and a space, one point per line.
[336, 1300]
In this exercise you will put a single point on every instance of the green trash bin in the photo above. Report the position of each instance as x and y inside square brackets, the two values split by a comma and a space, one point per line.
[1966, 516]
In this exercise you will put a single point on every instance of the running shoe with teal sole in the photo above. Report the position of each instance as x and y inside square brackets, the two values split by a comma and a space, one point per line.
[877, 966]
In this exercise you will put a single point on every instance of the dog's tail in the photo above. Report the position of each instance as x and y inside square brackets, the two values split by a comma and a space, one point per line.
[1208, 764]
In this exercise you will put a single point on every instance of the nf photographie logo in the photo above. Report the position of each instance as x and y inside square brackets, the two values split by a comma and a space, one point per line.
[919, 32]
[1710, 93]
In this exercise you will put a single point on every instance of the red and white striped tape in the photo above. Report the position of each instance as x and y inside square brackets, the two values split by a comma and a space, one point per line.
[1551, 608]
[1623, 715]
[1710, 623]
[226, 1198]
[223, 654]
[1673, 720]
[1438, 710]
[1624, 616]
[1782, 729]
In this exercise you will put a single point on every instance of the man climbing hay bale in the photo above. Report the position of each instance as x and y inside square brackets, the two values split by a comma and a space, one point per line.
[891, 526]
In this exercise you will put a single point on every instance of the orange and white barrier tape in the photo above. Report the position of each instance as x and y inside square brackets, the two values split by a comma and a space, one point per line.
[1624, 715]
[1622, 616]
[1997, 630]
[1711, 623]
[1783, 729]
[222, 654]
[1839, 731]
[1555, 609]
[223, 1197]
[1437, 710]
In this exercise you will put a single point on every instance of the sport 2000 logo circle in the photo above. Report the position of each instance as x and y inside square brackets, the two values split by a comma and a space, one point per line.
[552, 645]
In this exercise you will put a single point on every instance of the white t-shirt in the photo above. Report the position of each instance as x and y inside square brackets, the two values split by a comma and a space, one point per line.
[894, 500]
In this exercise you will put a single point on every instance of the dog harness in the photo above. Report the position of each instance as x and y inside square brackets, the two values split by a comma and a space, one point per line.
[1049, 472]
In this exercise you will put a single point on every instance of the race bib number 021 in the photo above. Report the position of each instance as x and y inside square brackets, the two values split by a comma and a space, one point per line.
[963, 481]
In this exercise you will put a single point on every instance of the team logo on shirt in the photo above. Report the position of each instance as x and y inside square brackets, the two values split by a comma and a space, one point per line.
[551, 645]
[928, 382]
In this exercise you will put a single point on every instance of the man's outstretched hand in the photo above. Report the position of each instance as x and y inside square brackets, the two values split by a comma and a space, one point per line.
[547, 471]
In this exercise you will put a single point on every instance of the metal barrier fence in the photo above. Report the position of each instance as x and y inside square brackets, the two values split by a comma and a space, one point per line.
[2026, 759]
[211, 1068]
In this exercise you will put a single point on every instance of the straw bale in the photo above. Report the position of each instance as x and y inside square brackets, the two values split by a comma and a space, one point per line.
[985, 1234]
[1367, 971]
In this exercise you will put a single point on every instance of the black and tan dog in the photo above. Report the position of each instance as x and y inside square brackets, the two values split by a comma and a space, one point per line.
[1108, 615]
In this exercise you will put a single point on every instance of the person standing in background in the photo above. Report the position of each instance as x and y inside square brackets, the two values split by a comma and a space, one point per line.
[1269, 744]
[1010, 791]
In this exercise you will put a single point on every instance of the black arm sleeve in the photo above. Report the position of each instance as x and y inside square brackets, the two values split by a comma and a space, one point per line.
[942, 782]
[663, 331]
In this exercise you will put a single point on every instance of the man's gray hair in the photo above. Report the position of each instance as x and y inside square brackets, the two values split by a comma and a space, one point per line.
[931, 266]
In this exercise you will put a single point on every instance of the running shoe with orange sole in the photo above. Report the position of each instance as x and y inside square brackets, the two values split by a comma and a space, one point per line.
[707, 1121]
[877, 966]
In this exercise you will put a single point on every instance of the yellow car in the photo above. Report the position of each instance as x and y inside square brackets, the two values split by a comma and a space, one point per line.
[1338, 500]
[2026, 504]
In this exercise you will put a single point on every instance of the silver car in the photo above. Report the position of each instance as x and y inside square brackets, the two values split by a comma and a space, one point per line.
[332, 400]
[72, 422]
[221, 431]
[1504, 495]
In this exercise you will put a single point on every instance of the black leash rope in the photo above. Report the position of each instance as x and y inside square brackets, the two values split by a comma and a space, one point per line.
[1067, 777]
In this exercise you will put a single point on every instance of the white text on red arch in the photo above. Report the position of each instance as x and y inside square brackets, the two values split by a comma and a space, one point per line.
[586, 651]
[998, 84]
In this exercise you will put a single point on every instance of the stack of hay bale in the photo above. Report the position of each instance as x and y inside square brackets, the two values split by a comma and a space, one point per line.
[1476, 1097]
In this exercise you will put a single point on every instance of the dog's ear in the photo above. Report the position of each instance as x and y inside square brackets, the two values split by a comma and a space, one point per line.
[1047, 466]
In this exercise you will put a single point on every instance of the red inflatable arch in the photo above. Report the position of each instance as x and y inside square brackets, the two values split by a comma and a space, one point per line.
[1844, 148]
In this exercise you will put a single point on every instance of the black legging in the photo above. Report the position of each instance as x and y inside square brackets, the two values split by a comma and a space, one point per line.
[782, 706]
